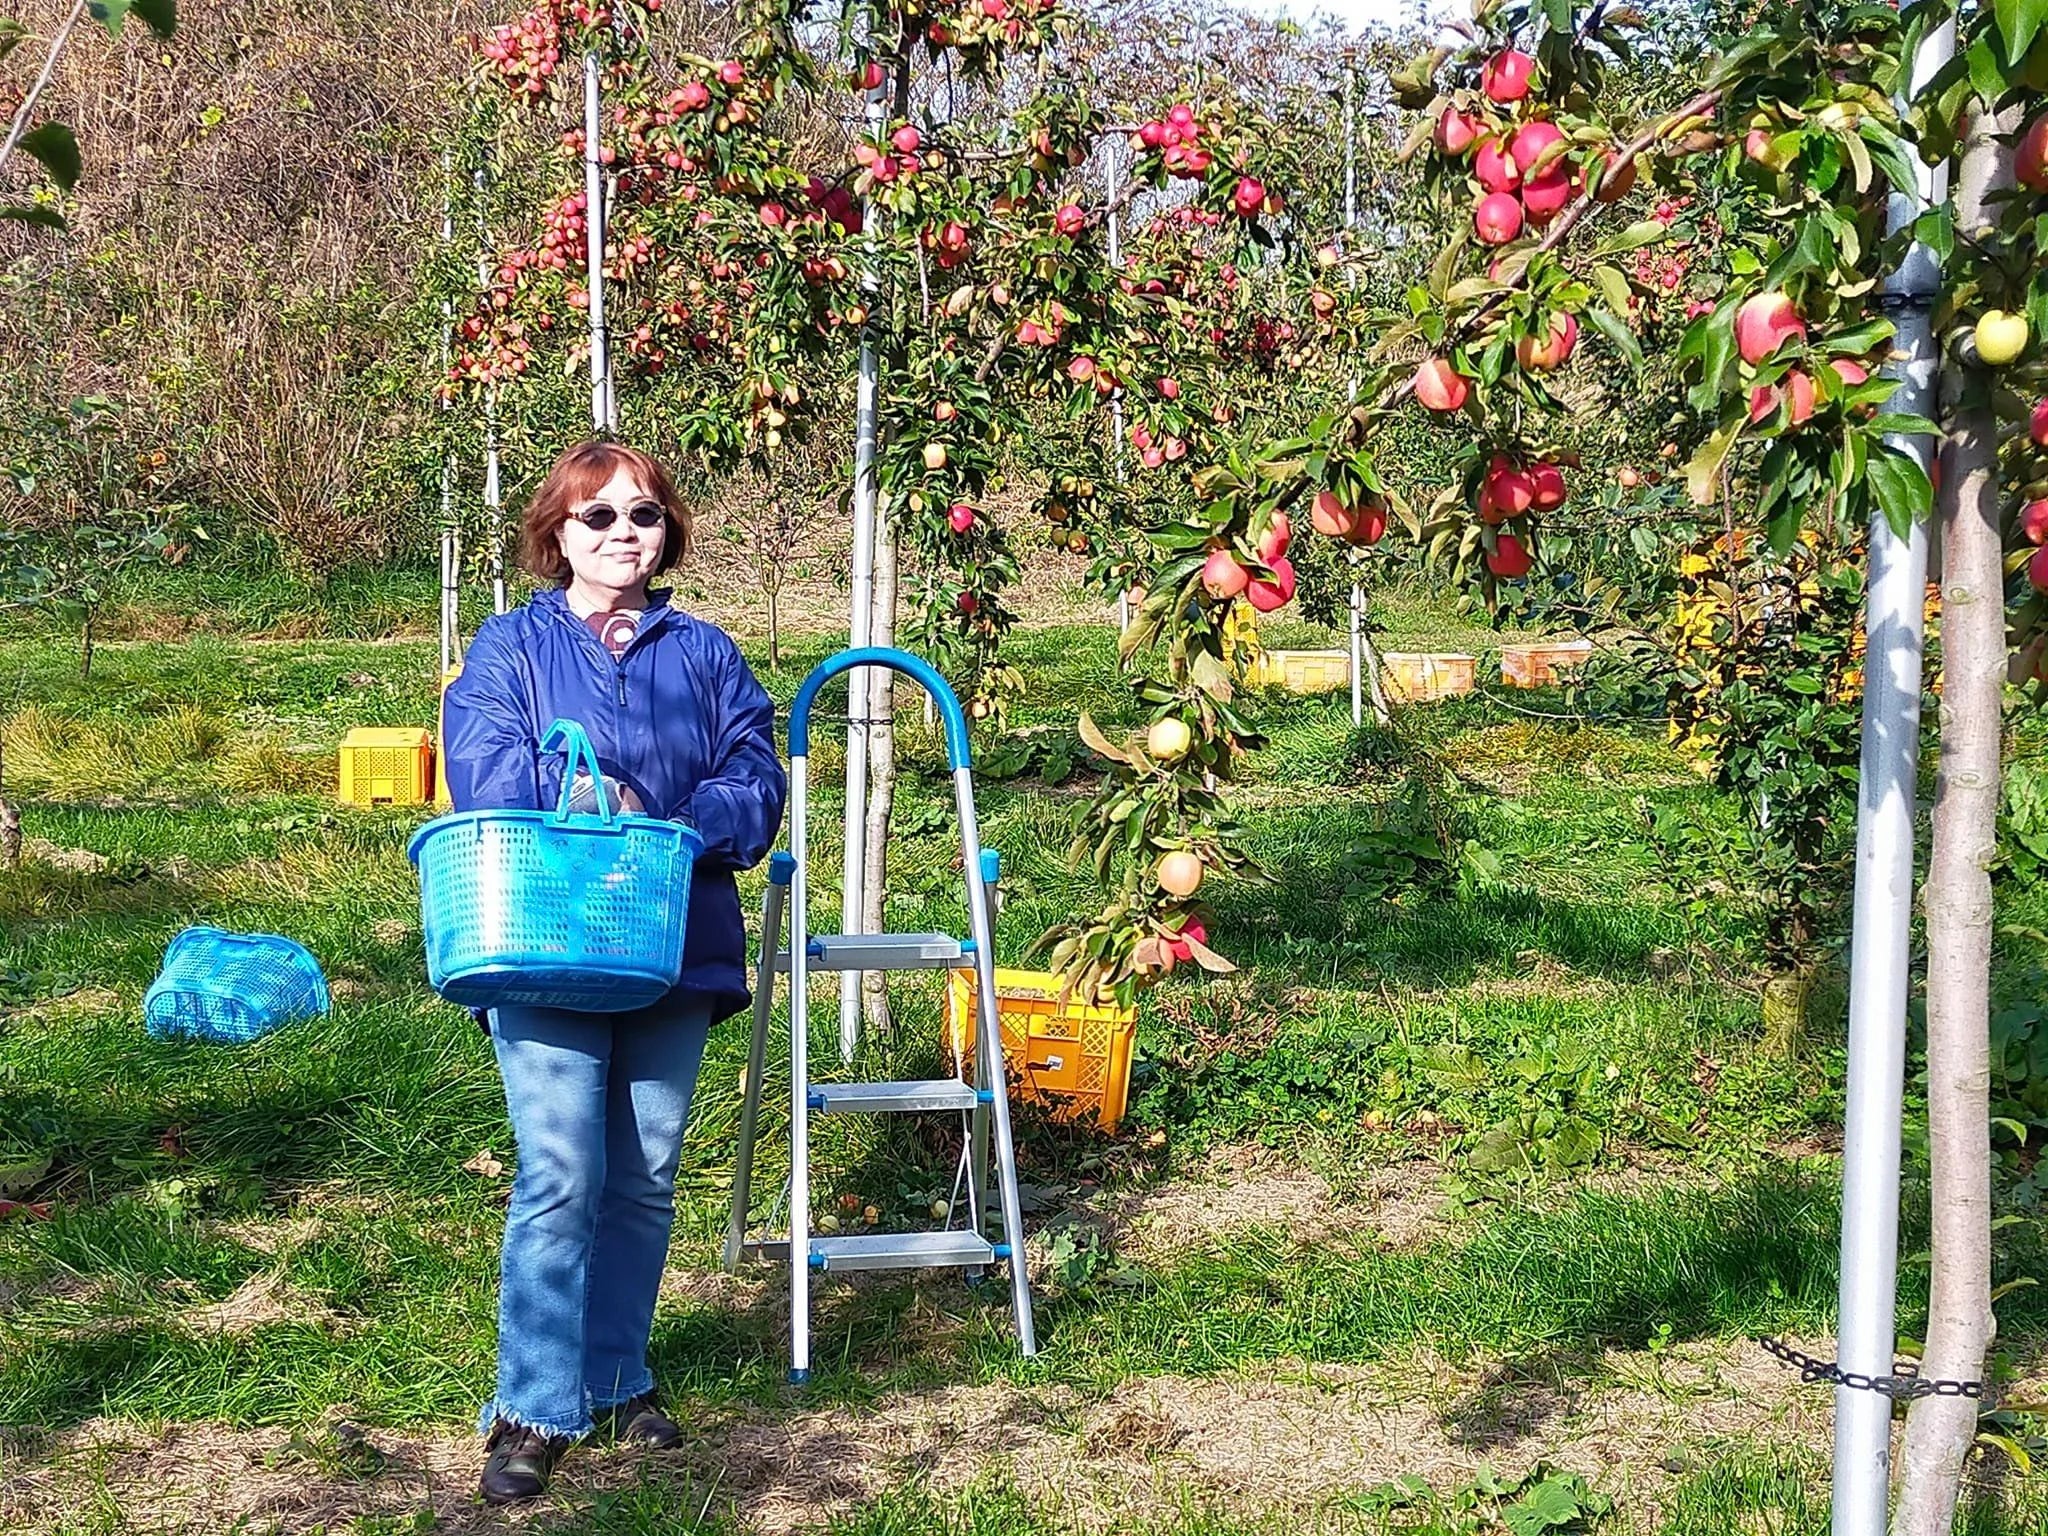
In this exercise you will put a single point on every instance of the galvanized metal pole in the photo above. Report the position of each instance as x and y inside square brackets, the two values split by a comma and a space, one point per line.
[860, 617]
[1350, 221]
[1880, 948]
[450, 552]
[603, 408]
[1116, 401]
[494, 498]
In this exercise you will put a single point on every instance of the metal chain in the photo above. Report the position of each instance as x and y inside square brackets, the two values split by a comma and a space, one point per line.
[1906, 1385]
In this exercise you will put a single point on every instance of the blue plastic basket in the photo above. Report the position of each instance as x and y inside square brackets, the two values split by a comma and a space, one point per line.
[232, 987]
[553, 910]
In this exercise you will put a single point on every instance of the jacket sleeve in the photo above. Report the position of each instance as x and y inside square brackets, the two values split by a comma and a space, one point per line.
[737, 807]
[488, 739]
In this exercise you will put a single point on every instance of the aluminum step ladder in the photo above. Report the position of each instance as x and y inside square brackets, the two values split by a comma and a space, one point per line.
[983, 1102]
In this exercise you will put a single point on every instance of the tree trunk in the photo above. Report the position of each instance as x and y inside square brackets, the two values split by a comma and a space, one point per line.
[1957, 903]
[85, 658]
[774, 629]
[10, 821]
[881, 779]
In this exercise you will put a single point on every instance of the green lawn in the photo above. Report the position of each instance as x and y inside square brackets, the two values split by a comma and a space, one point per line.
[254, 1244]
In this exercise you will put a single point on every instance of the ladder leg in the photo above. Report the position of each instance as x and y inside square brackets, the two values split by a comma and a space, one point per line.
[989, 1046]
[750, 1104]
[977, 1154]
[799, 1079]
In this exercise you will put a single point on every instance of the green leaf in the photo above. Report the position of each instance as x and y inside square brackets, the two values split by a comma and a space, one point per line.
[1986, 75]
[1703, 473]
[109, 14]
[162, 15]
[29, 213]
[12, 34]
[57, 147]
[1613, 287]
[1901, 487]
[2018, 21]
[1623, 338]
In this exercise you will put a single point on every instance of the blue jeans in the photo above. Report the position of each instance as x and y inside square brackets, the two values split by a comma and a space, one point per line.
[598, 1103]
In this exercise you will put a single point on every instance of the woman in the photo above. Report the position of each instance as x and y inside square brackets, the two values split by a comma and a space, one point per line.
[681, 730]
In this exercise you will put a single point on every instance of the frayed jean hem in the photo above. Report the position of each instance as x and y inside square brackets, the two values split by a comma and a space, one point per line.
[494, 1410]
[615, 1397]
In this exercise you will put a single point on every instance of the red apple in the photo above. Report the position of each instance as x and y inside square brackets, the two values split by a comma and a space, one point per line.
[1455, 132]
[872, 76]
[1498, 218]
[1223, 576]
[2034, 522]
[2037, 426]
[1547, 483]
[1506, 76]
[1764, 323]
[1495, 168]
[2037, 569]
[1071, 219]
[1440, 387]
[1250, 194]
[967, 602]
[732, 72]
[1542, 357]
[1371, 526]
[1191, 929]
[1508, 559]
[1610, 185]
[1508, 486]
[1273, 542]
[1529, 143]
[961, 517]
[906, 140]
[1331, 517]
[1546, 194]
[2030, 159]
[1266, 595]
[1170, 388]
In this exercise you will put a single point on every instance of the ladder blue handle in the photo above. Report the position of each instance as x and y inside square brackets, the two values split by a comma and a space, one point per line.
[899, 661]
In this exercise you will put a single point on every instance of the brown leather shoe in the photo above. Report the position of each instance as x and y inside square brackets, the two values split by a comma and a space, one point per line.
[518, 1462]
[640, 1421]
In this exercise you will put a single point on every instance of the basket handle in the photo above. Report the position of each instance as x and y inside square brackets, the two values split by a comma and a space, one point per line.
[568, 734]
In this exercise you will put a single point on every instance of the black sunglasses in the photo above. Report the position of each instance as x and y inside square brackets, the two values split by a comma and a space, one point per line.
[599, 515]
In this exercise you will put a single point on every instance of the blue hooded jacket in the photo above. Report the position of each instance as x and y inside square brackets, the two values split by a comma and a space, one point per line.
[680, 718]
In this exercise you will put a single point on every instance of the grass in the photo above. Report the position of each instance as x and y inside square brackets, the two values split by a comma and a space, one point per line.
[311, 1189]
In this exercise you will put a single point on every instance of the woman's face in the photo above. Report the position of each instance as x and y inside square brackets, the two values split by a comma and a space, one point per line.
[621, 556]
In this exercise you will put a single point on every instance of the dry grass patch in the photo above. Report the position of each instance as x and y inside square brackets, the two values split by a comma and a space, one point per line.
[1402, 1205]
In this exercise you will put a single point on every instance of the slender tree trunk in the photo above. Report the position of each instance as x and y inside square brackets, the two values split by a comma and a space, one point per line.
[881, 779]
[774, 628]
[1957, 903]
[10, 821]
[19, 126]
[85, 659]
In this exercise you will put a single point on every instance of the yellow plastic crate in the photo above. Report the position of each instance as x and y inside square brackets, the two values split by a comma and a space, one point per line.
[387, 766]
[1303, 671]
[441, 795]
[1075, 1054]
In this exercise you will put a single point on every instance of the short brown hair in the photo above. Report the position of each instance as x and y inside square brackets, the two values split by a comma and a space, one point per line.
[579, 475]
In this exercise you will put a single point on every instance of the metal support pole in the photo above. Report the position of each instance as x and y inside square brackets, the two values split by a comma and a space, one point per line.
[1880, 948]
[860, 617]
[1350, 222]
[450, 562]
[1116, 401]
[494, 498]
[604, 410]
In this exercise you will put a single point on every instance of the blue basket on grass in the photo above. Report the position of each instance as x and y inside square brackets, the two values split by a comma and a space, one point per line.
[553, 910]
[232, 987]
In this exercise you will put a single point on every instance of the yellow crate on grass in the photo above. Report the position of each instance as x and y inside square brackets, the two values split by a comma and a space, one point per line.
[1075, 1054]
[387, 766]
[1303, 671]
[442, 799]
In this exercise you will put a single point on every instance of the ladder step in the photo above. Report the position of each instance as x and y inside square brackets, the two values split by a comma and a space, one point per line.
[879, 952]
[902, 1250]
[898, 1098]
